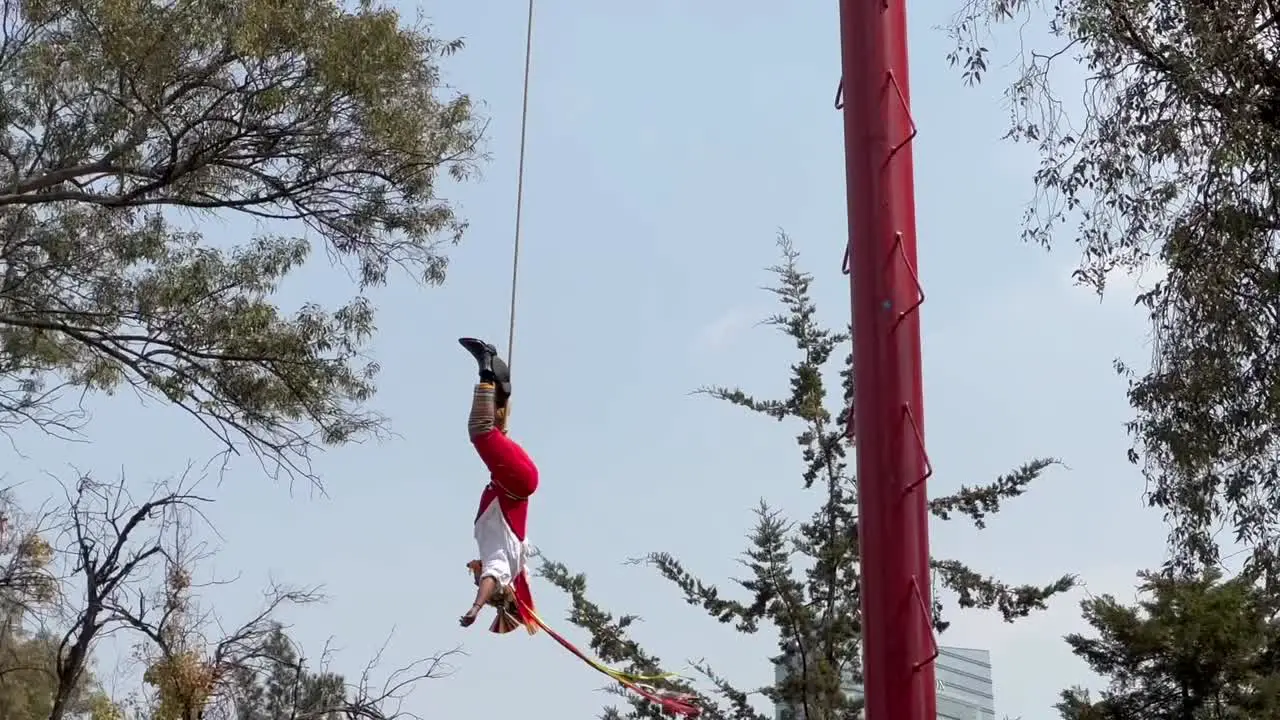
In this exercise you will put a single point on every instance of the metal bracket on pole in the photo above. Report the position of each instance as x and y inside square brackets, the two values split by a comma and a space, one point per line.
[900, 251]
[924, 454]
[844, 264]
[902, 99]
[927, 618]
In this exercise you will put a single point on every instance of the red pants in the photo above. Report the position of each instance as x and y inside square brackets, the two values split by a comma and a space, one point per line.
[509, 465]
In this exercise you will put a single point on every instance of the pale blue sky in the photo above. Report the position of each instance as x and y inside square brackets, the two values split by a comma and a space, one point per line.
[668, 140]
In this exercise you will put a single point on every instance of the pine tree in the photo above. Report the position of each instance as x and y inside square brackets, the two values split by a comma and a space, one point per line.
[279, 686]
[1192, 648]
[803, 580]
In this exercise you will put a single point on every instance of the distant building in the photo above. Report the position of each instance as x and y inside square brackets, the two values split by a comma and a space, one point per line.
[965, 691]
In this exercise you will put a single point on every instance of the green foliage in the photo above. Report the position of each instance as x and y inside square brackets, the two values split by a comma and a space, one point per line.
[27, 583]
[126, 121]
[273, 685]
[28, 677]
[1170, 163]
[1193, 648]
[29, 671]
[803, 578]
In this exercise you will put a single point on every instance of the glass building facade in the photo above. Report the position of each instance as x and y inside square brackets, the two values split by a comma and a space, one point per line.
[965, 691]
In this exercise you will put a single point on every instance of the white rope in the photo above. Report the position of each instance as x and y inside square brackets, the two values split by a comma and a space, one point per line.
[524, 124]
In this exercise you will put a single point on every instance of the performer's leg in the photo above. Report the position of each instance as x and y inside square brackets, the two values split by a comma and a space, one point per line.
[484, 592]
[484, 416]
[508, 463]
[489, 400]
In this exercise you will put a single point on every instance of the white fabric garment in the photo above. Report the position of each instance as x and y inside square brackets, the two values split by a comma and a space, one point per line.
[502, 554]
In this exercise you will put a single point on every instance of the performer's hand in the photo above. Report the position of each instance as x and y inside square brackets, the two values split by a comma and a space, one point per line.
[469, 619]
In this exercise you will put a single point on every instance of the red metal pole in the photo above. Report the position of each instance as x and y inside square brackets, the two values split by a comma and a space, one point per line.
[898, 642]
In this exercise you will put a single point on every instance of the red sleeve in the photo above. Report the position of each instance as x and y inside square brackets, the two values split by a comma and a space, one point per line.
[508, 463]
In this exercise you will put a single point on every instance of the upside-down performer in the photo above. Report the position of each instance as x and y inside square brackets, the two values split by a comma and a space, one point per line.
[500, 573]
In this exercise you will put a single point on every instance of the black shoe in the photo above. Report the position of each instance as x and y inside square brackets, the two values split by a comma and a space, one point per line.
[483, 352]
[492, 368]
